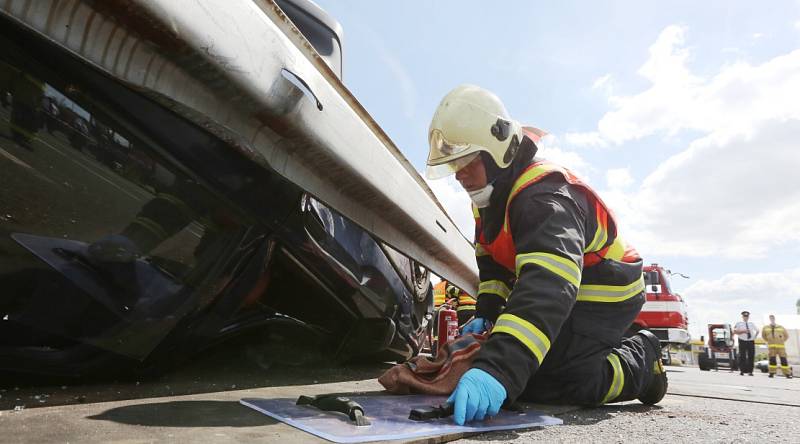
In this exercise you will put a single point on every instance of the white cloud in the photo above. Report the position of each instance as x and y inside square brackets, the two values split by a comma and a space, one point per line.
[588, 139]
[549, 149]
[797, 24]
[740, 97]
[729, 195]
[618, 178]
[757, 35]
[568, 159]
[722, 300]
[731, 192]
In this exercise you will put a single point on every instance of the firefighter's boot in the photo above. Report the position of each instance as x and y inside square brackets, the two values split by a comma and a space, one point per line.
[655, 390]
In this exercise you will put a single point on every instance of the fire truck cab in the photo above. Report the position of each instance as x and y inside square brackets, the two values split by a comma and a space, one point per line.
[664, 312]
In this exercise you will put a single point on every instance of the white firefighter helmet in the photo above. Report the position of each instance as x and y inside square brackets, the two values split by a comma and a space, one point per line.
[469, 120]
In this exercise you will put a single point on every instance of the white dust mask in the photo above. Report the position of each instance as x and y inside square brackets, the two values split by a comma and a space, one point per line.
[481, 197]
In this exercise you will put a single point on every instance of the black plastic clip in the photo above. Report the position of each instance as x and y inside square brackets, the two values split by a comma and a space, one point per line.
[435, 412]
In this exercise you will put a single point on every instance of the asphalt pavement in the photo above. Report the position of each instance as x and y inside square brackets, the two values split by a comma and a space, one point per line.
[199, 403]
[699, 407]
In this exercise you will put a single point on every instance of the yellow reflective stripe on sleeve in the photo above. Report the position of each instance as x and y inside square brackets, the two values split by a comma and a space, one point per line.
[777, 346]
[480, 251]
[465, 308]
[600, 238]
[619, 379]
[524, 332]
[494, 287]
[610, 293]
[561, 266]
[528, 176]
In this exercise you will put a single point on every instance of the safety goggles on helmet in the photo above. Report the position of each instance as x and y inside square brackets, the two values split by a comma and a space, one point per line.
[448, 168]
[445, 157]
[442, 149]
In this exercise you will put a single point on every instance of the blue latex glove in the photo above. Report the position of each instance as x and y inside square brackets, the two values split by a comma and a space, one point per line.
[477, 395]
[476, 325]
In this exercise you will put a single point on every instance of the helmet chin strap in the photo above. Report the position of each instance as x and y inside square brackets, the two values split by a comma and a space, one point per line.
[481, 197]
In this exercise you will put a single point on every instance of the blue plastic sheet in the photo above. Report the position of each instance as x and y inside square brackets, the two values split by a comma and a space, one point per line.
[389, 419]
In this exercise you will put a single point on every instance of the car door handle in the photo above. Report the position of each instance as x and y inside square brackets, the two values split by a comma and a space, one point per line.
[301, 84]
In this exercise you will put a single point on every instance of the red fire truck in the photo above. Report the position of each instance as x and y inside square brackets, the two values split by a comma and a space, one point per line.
[664, 313]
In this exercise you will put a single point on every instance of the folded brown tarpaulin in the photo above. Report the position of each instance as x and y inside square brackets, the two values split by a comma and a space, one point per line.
[438, 376]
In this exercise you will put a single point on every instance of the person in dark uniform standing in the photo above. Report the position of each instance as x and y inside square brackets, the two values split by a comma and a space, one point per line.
[558, 285]
[748, 332]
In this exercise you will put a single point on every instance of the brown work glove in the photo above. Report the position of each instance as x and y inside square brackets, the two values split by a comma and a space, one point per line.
[439, 376]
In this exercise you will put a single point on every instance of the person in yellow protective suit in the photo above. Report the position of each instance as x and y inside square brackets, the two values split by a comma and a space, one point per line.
[776, 336]
[463, 303]
[439, 294]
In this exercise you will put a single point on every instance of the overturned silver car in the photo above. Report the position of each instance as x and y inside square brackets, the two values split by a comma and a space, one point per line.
[176, 173]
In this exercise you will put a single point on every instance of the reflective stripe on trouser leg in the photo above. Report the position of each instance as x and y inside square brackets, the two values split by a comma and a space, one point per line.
[785, 368]
[618, 381]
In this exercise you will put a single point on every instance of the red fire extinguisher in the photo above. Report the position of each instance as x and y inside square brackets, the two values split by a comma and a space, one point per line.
[448, 326]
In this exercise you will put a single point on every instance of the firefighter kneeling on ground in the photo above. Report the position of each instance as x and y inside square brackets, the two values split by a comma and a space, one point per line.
[776, 336]
[558, 286]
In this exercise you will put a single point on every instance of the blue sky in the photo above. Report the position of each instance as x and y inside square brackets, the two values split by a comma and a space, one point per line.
[683, 115]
